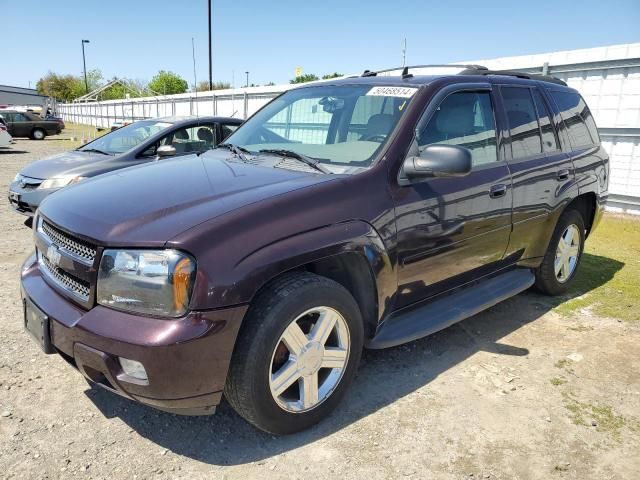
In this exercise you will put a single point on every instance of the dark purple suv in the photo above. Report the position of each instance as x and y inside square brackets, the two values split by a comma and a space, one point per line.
[361, 212]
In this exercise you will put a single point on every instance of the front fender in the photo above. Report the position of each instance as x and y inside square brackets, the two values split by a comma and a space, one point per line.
[251, 272]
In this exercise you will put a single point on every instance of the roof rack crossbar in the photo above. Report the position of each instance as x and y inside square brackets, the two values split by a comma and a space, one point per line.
[513, 73]
[405, 69]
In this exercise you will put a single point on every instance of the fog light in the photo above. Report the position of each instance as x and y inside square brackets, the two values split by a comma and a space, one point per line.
[133, 368]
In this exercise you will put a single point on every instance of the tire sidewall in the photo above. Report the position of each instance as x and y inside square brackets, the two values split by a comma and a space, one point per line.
[38, 134]
[272, 327]
[551, 282]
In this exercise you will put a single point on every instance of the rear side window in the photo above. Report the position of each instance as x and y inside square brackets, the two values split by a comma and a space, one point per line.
[523, 122]
[576, 115]
[549, 141]
[464, 119]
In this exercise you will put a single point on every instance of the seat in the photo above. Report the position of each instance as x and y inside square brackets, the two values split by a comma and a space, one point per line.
[206, 135]
[379, 124]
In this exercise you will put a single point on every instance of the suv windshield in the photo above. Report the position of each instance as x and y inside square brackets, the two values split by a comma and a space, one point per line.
[125, 138]
[341, 127]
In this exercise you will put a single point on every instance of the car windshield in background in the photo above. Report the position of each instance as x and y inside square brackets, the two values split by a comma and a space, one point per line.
[341, 127]
[125, 138]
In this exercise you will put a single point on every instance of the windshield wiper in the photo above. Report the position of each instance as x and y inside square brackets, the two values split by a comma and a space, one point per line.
[237, 150]
[298, 156]
[95, 150]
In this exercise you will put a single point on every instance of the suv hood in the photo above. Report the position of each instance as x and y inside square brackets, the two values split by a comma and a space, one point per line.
[68, 163]
[150, 204]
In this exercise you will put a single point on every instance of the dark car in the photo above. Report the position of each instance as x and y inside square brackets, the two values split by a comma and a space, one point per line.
[361, 212]
[141, 142]
[55, 118]
[30, 125]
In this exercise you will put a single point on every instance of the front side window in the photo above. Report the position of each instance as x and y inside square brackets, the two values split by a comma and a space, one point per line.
[523, 122]
[342, 127]
[126, 138]
[465, 119]
[577, 117]
[19, 117]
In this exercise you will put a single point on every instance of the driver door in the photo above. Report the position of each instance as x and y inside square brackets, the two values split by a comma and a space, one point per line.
[450, 230]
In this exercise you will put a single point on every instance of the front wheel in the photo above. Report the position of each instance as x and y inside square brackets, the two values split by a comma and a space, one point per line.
[297, 353]
[560, 263]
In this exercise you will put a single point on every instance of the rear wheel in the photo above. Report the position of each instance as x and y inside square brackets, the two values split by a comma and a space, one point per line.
[298, 352]
[38, 134]
[560, 263]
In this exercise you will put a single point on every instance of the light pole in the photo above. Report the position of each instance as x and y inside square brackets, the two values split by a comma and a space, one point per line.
[247, 73]
[210, 72]
[84, 63]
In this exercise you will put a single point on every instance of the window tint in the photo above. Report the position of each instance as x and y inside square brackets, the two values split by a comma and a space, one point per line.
[523, 122]
[549, 141]
[577, 117]
[18, 117]
[465, 119]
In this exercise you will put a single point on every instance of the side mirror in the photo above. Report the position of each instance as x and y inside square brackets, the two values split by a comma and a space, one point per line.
[166, 151]
[439, 161]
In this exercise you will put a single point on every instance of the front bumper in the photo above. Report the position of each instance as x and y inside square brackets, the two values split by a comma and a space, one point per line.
[26, 200]
[186, 359]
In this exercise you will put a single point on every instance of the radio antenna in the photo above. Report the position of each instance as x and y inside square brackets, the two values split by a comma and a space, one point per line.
[195, 80]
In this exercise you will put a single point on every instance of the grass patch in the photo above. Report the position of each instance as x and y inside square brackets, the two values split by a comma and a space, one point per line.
[608, 278]
[79, 132]
[555, 381]
[605, 419]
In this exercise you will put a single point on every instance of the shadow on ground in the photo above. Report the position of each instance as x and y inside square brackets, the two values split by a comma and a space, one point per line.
[12, 152]
[226, 439]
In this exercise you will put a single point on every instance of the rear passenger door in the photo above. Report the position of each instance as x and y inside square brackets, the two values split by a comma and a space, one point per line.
[453, 229]
[542, 173]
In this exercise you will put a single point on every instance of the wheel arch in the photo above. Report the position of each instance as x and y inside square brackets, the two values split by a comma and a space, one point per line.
[351, 253]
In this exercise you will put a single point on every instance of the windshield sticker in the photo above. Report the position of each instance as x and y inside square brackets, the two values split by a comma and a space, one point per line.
[161, 124]
[403, 92]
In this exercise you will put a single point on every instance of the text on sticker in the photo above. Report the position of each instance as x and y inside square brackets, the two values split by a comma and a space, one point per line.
[403, 92]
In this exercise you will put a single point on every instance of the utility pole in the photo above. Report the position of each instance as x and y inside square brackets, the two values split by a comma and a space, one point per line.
[247, 73]
[210, 67]
[84, 63]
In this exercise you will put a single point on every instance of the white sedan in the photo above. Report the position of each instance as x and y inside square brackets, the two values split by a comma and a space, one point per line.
[5, 138]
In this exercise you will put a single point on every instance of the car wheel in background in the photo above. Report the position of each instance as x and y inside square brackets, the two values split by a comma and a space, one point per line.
[297, 353]
[38, 134]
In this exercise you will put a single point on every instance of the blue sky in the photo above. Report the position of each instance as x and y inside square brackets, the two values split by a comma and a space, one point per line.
[135, 39]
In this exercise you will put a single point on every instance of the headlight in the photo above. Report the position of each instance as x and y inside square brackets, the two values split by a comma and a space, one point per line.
[17, 178]
[59, 182]
[156, 282]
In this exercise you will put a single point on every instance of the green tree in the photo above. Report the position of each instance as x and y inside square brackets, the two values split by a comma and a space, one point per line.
[168, 83]
[203, 86]
[332, 75]
[62, 87]
[307, 77]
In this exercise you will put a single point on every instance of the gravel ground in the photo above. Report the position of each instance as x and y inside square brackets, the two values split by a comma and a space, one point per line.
[516, 392]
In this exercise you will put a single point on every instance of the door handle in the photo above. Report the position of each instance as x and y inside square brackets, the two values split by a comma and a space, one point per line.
[498, 191]
[563, 174]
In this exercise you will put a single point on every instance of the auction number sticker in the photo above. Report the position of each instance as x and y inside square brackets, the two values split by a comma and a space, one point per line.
[402, 92]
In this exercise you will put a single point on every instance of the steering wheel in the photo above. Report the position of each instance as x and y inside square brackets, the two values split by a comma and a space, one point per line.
[374, 138]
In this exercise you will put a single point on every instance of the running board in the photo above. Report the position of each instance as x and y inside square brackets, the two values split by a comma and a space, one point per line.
[408, 325]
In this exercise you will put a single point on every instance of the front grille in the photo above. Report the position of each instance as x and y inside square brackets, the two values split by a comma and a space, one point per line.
[76, 247]
[67, 281]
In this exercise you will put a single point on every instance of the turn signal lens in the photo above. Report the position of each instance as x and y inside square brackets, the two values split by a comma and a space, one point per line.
[182, 284]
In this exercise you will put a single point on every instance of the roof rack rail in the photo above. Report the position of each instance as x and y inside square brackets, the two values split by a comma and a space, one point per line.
[511, 73]
[406, 74]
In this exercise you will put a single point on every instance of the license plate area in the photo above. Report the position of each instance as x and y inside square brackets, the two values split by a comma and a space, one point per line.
[37, 323]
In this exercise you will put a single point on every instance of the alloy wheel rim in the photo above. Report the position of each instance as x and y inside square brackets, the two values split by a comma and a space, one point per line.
[567, 253]
[309, 359]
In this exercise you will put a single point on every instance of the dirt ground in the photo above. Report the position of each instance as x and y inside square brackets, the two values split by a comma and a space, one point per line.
[517, 392]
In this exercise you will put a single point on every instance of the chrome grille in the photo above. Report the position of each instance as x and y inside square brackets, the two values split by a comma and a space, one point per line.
[75, 247]
[68, 282]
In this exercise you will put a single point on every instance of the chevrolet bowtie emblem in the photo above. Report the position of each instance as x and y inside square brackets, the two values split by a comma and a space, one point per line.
[53, 255]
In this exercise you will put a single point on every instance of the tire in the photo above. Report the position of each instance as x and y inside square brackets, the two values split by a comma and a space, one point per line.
[38, 134]
[548, 279]
[263, 351]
